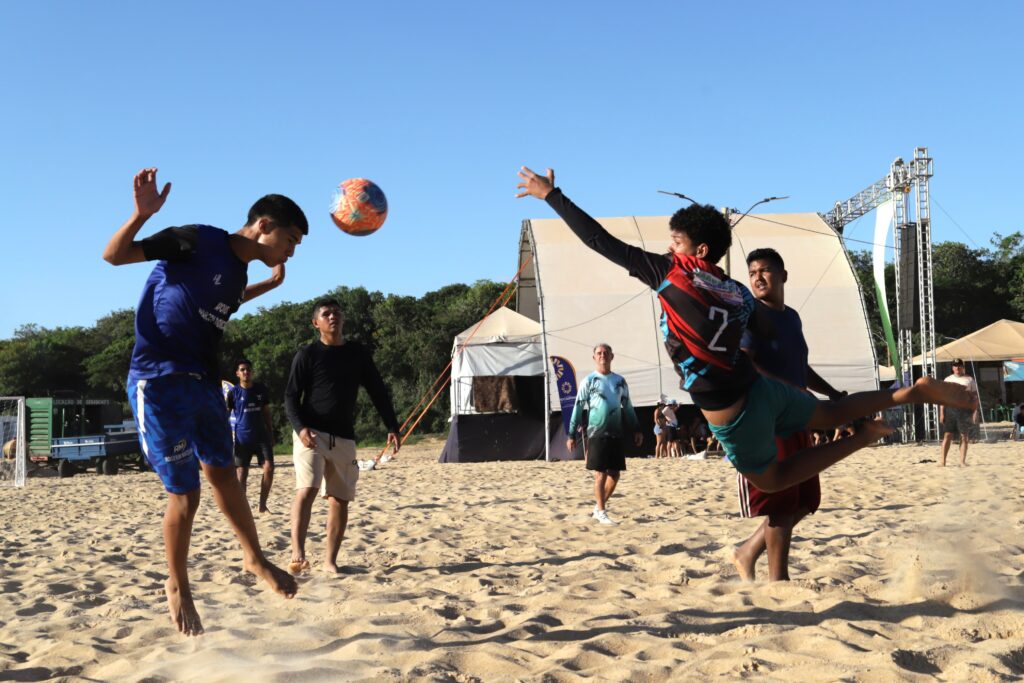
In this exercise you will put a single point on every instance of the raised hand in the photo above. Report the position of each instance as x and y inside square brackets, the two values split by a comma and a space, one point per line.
[147, 200]
[535, 185]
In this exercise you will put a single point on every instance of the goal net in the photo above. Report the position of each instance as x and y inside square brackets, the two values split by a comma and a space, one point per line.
[14, 458]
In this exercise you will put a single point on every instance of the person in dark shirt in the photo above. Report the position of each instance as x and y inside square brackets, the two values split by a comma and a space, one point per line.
[249, 405]
[704, 314]
[174, 381]
[783, 357]
[320, 400]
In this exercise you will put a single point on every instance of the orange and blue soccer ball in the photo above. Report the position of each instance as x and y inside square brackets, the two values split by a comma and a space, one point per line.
[359, 207]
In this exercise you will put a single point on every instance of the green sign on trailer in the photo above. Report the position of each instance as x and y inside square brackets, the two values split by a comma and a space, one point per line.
[40, 427]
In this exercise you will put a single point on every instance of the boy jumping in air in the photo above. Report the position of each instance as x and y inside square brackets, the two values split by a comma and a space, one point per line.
[174, 382]
[704, 314]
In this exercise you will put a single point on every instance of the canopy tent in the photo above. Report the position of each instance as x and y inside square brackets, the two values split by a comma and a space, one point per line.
[580, 299]
[1002, 340]
[497, 385]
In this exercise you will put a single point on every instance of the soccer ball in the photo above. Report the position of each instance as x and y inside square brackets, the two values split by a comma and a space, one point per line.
[359, 207]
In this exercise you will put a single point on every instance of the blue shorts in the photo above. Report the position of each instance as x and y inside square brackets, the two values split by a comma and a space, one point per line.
[182, 420]
[773, 409]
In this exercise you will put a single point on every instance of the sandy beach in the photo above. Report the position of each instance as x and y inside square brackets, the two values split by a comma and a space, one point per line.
[495, 572]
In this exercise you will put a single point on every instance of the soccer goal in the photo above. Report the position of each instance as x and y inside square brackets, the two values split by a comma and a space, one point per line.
[14, 459]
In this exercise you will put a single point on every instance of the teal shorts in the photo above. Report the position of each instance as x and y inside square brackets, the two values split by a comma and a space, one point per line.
[773, 409]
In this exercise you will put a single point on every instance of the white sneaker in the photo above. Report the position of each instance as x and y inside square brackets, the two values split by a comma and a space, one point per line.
[602, 516]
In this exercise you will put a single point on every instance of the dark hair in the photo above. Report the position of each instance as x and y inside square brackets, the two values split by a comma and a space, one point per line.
[766, 254]
[704, 224]
[243, 361]
[324, 303]
[281, 210]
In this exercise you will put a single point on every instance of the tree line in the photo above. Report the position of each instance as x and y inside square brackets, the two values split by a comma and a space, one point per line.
[411, 337]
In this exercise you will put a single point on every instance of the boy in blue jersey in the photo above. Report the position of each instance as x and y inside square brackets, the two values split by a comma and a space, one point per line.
[782, 357]
[604, 397]
[704, 314]
[249, 405]
[173, 382]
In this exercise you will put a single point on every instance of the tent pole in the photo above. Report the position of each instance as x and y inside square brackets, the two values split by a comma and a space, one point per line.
[528, 230]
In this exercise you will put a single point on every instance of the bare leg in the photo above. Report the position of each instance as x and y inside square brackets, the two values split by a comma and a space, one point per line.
[774, 535]
[231, 501]
[337, 521]
[746, 555]
[599, 487]
[610, 482]
[829, 414]
[243, 476]
[964, 441]
[178, 517]
[265, 483]
[777, 537]
[804, 464]
[302, 507]
[947, 439]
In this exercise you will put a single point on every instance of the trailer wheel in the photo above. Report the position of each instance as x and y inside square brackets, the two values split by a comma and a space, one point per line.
[65, 469]
[110, 465]
[99, 466]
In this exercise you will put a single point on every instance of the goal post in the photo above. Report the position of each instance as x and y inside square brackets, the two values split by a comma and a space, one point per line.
[14, 442]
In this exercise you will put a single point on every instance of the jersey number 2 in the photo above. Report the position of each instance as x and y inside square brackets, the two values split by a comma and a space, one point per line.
[712, 314]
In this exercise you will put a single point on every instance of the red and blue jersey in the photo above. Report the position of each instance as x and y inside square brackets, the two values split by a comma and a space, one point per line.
[704, 312]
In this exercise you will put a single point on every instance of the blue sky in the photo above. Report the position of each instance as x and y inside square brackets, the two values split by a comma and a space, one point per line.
[441, 102]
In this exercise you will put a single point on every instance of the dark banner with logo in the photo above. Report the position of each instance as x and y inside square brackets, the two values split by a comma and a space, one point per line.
[565, 381]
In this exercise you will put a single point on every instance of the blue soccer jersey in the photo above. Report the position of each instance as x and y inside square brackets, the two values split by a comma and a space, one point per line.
[246, 407]
[172, 381]
[186, 302]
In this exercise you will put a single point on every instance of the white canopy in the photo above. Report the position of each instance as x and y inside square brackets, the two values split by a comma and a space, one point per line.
[505, 343]
[1002, 340]
[581, 299]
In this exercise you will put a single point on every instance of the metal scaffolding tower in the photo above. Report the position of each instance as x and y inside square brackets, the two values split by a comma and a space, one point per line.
[912, 240]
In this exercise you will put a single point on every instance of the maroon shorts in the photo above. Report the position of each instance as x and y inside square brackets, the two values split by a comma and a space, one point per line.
[807, 496]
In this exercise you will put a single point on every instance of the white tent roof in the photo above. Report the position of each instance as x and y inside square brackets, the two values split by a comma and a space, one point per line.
[1002, 340]
[503, 325]
[587, 299]
[505, 344]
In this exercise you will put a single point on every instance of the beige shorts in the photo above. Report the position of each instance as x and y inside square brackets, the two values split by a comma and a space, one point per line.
[330, 466]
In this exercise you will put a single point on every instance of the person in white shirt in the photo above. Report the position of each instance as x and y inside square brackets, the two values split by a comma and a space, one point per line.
[959, 420]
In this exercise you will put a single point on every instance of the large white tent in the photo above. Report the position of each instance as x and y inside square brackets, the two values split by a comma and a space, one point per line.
[580, 299]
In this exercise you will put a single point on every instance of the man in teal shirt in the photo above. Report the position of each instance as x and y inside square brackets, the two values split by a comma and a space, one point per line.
[604, 397]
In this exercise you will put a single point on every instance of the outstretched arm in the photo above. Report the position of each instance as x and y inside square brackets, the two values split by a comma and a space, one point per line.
[258, 288]
[648, 267]
[122, 247]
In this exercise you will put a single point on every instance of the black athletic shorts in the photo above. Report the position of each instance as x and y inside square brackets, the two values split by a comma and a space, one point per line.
[245, 451]
[958, 421]
[604, 454]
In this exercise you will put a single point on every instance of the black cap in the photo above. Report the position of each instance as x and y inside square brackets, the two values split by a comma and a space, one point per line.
[958, 361]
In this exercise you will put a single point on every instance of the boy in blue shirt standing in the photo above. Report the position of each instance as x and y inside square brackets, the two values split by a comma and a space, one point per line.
[249, 405]
[173, 382]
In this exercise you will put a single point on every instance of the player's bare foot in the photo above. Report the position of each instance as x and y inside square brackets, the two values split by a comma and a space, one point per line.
[744, 566]
[330, 568]
[929, 390]
[183, 611]
[298, 566]
[264, 510]
[280, 581]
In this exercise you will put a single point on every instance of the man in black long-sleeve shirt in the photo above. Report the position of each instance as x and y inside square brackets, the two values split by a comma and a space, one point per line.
[320, 400]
